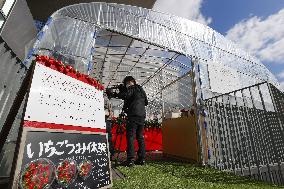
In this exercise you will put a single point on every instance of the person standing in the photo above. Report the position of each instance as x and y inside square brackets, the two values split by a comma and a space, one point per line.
[108, 120]
[135, 100]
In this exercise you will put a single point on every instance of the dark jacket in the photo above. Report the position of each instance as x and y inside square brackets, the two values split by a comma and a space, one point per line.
[135, 100]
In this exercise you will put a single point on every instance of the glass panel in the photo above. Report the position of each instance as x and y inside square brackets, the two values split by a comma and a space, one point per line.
[2, 20]
[6, 6]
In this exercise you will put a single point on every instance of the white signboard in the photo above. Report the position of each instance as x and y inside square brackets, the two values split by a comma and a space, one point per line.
[57, 98]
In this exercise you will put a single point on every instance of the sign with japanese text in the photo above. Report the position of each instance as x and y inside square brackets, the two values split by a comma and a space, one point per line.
[58, 98]
[57, 146]
[64, 141]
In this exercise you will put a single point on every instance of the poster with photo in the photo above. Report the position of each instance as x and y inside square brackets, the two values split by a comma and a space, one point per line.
[64, 142]
[57, 159]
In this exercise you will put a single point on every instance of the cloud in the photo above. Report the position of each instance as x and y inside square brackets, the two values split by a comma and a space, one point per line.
[282, 86]
[281, 75]
[189, 9]
[263, 37]
[281, 78]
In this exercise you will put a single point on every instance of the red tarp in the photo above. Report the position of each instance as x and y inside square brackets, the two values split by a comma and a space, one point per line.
[152, 136]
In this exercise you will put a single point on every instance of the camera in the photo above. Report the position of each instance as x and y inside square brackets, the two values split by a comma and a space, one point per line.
[109, 92]
[112, 91]
[121, 88]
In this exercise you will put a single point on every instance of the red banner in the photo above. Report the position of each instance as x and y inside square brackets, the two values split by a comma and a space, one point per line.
[152, 136]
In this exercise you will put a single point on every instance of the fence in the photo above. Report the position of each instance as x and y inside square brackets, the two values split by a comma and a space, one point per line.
[244, 132]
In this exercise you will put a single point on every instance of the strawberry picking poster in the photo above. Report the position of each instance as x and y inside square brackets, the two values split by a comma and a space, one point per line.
[64, 141]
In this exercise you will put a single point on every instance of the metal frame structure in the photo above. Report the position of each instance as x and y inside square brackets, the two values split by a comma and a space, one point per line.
[130, 39]
[14, 15]
[12, 79]
[245, 134]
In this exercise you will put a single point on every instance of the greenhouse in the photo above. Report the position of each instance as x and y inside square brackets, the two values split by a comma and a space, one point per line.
[236, 103]
[123, 40]
[181, 64]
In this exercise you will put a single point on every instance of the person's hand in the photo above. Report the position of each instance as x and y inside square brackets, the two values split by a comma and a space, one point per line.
[122, 115]
[111, 114]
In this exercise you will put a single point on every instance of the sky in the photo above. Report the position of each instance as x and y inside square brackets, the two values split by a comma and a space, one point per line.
[255, 25]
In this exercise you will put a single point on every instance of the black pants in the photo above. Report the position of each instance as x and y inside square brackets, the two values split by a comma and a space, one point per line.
[134, 128]
[108, 130]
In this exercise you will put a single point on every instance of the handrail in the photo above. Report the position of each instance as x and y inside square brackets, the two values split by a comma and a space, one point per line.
[236, 91]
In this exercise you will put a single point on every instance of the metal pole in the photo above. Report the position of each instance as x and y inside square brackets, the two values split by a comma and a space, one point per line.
[281, 128]
[275, 109]
[194, 63]
[216, 133]
[261, 146]
[241, 113]
[230, 132]
[162, 99]
[271, 136]
[249, 131]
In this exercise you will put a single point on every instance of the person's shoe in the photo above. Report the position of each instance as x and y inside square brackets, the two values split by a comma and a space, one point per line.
[139, 162]
[128, 163]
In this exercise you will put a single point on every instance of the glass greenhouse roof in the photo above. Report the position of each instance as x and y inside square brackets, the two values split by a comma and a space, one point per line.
[158, 70]
[111, 41]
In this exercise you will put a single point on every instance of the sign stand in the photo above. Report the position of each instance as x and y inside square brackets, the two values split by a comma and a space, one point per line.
[63, 130]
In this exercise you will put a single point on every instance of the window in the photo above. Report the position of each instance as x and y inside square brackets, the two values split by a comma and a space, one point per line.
[6, 6]
[2, 19]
